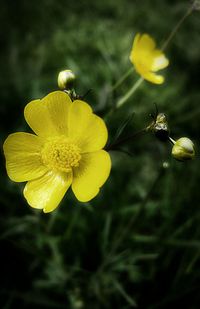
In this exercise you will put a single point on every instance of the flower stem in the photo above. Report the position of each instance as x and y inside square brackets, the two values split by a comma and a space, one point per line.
[120, 142]
[122, 79]
[175, 29]
[129, 93]
[172, 141]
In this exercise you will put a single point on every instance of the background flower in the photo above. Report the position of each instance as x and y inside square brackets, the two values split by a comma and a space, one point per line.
[147, 59]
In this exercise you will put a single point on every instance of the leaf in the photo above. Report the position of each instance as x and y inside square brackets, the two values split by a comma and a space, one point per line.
[128, 298]
[122, 127]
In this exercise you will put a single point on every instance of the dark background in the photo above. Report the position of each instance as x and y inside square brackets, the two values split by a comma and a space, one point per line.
[137, 244]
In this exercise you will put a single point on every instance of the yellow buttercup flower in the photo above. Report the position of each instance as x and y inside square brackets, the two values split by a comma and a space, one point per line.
[66, 150]
[147, 59]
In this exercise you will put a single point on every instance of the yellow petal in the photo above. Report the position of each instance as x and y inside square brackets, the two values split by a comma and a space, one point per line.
[154, 78]
[136, 41]
[143, 45]
[47, 191]
[23, 161]
[146, 59]
[134, 51]
[49, 116]
[142, 54]
[159, 61]
[87, 129]
[91, 174]
[146, 42]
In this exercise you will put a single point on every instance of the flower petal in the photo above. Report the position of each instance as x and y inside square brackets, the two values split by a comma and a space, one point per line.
[142, 53]
[146, 59]
[47, 191]
[23, 160]
[136, 41]
[154, 78]
[49, 116]
[87, 129]
[134, 51]
[146, 42]
[159, 61]
[91, 174]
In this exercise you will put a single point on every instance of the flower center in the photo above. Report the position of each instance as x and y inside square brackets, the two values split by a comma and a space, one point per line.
[60, 153]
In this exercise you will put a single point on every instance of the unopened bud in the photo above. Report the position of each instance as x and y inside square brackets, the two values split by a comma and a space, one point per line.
[66, 79]
[183, 149]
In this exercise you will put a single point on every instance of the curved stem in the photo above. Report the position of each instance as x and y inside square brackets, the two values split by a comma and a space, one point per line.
[129, 93]
[122, 79]
[175, 29]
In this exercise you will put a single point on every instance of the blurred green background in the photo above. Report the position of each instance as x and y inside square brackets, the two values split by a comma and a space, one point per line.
[137, 244]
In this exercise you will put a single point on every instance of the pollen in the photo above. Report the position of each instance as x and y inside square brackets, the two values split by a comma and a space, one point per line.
[61, 154]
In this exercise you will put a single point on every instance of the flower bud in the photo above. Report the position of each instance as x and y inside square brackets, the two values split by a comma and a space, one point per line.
[183, 149]
[66, 79]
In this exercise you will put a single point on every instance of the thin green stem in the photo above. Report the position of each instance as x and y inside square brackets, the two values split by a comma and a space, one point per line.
[172, 140]
[130, 92]
[123, 141]
[122, 79]
[175, 29]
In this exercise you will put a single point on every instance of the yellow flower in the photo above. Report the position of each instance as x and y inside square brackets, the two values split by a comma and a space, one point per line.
[66, 150]
[147, 59]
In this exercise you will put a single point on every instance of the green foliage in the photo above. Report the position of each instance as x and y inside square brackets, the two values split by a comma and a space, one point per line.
[138, 243]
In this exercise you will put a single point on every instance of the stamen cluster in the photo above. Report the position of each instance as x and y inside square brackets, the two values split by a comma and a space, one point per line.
[61, 154]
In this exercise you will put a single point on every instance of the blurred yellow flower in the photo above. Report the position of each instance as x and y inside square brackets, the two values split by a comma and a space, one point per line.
[147, 59]
[66, 150]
